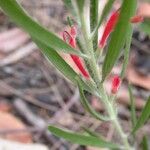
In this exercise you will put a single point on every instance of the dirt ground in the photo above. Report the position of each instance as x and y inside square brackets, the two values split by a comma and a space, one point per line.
[33, 94]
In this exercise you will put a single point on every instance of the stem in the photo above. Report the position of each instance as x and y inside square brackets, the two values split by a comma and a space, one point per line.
[113, 115]
[122, 134]
[90, 52]
[97, 78]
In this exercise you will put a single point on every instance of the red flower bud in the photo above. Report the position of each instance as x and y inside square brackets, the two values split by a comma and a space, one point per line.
[136, 19]
[110, 25]
[73, 31]
[116, 81]
[76, 59]
[79, 64]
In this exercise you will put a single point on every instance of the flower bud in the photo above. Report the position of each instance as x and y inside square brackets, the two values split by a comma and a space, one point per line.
[116, 81]
[72, 42]
[136, 19]
[79, 64]
[110, 25]
[73, 31]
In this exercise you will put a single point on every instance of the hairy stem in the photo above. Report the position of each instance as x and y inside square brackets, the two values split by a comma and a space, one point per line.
[97, 78]
[114, 118]
[89, 50]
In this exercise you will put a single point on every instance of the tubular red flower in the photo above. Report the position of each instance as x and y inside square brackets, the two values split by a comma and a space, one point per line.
[136, 19]
[116, 81]
[79, 64]
[110, 25]
[73, 31]
[68, 38]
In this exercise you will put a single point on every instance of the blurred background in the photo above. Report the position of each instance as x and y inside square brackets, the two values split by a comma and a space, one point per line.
[34, 94]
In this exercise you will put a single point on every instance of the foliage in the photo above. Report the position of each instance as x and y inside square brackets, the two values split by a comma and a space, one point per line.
[121, 30]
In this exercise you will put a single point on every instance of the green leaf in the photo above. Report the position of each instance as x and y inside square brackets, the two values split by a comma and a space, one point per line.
[81, 139]
[88, 107]
[93, 13]
[145, 26]
[18, 15]
[94, 20]
[70, 21]
[143, 117]
[92, 133]
[80, 4]
[118, 36]
[60, 64]
[144, 143]
[126, 51]
[132, 102]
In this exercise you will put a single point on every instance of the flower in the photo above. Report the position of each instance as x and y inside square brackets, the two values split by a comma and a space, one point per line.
[70, 38]
[136, 19]
[110, 25]
[116, 81]
[73, 31]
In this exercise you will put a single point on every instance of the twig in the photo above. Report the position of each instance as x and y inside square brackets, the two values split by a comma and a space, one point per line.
[18, 131]
[19, 54]
[110, 133]
[33, 119]
[28, 98]
[58, 114]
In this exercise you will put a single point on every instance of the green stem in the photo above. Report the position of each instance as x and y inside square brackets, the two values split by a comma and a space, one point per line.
[90, 52]
[97, 78]
[122, 134]
[113, 115]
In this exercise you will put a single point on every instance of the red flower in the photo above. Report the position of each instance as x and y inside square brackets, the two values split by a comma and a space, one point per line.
[136, 19]
[116, 81]
[73, 31]
[70, 38]
[110, 25]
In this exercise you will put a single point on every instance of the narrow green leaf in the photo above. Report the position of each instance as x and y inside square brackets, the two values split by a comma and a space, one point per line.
[132, 102]
[88, 107]
[93, 13]
[60, 64]
[94, 20]
[127, 50]
[79, 43]
[145, 26]
[80, 4]
[143, 117]
[81, 139]
[118, 36]
[18, 15]
[70, 22]
[144, 143]
[92, 133]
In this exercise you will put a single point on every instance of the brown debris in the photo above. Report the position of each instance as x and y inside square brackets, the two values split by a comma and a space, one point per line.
[4, 106]
[12, 39]
[137, 79]
[10, 122]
